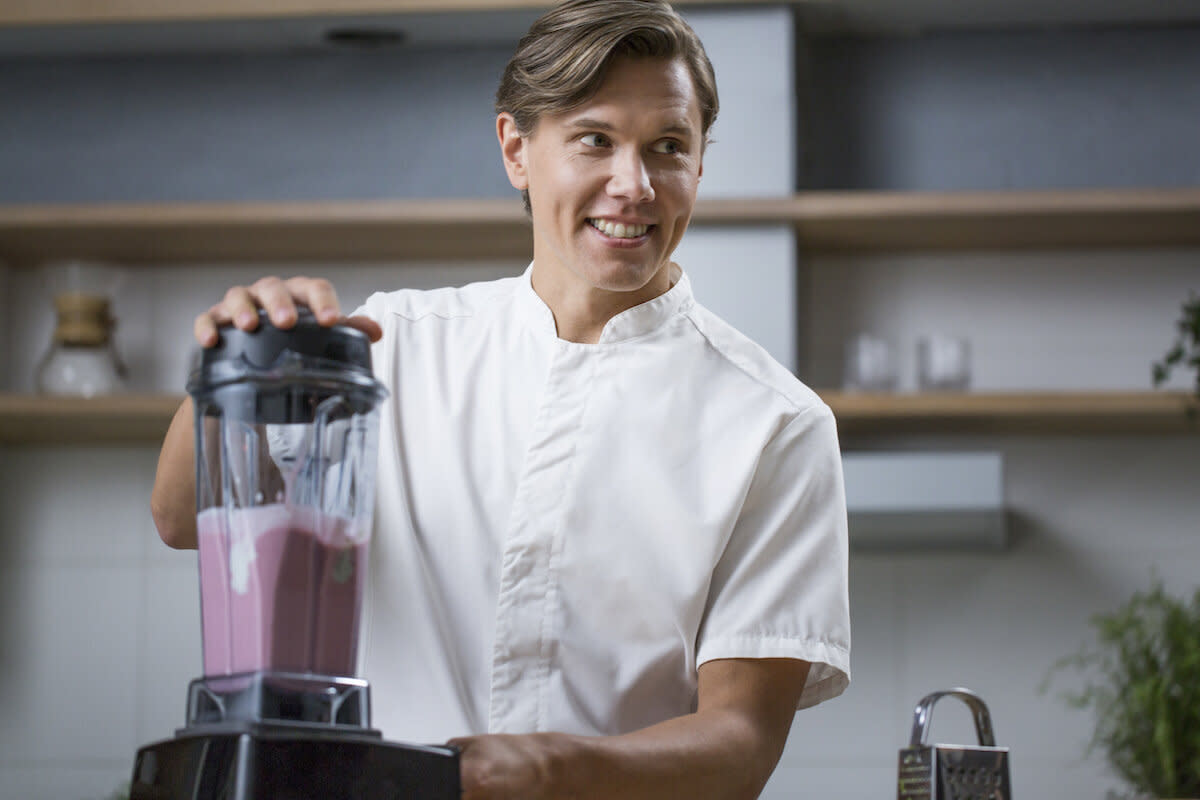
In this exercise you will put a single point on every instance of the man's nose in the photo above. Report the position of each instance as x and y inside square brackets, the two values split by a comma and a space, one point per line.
[630, 179]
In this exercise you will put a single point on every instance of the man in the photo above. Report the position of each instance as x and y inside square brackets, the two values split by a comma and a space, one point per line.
[610, 546]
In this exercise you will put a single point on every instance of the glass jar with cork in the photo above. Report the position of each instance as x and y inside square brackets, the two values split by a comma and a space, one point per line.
[81, 361]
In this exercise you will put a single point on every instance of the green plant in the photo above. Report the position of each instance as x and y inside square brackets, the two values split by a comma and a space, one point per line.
[1185, 351]
[1142, 679]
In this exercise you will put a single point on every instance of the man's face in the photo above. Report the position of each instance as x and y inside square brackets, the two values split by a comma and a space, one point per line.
[612, 183]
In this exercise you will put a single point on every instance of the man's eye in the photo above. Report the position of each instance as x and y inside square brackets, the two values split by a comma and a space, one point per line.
[667, 147]
[594, 140]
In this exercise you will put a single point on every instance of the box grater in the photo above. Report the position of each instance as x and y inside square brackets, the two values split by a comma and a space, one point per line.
[953, 771]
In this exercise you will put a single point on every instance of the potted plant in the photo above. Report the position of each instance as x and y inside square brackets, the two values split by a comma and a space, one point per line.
[1185, 351]
[1142, 679]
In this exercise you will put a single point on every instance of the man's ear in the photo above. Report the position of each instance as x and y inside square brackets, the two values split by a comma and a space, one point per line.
[512, 149]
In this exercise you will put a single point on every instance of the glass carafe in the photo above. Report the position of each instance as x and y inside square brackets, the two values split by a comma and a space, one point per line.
[81, 360]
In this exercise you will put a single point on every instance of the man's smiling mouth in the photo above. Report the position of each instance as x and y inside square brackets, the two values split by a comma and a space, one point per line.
[618, 230]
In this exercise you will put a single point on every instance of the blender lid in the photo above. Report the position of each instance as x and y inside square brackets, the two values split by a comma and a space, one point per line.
[307, 351]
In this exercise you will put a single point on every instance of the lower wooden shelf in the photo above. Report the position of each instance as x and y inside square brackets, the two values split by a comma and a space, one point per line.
[115, 419]
[1068, 413]
[142, 419]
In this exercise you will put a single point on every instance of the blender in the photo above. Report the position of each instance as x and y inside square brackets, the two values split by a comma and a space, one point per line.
[286, 435]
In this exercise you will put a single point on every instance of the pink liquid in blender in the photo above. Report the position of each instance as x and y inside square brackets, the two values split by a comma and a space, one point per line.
[280, 589]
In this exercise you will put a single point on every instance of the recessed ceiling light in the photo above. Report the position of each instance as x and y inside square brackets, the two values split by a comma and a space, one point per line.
[362, 38]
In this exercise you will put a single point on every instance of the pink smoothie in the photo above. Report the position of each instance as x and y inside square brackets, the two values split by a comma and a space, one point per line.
[280, 589]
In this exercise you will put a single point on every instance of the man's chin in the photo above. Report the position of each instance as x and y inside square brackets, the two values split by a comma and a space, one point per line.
[629, 279]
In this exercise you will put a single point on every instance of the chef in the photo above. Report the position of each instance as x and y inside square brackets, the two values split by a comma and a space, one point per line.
[609, 556]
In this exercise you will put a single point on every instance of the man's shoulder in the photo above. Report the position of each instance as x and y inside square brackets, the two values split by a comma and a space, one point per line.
[749, 359]
[445, 303]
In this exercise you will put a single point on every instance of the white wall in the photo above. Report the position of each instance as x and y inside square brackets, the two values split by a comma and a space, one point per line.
[1069, 320]
[747, 274]
[99, 621]
[753, 151]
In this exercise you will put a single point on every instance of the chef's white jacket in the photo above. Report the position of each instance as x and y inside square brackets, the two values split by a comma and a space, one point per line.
[565, 531]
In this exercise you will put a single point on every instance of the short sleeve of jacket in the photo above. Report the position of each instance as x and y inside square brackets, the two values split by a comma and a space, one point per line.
[372, 307]
[780, 588]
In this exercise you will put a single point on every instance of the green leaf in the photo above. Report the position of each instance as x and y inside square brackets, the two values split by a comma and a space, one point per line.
[1185, 351]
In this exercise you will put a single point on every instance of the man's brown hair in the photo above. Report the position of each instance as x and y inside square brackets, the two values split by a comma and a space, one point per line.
[562, 60]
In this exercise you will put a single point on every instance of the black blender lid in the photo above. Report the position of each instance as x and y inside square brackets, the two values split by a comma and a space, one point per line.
[308, 349]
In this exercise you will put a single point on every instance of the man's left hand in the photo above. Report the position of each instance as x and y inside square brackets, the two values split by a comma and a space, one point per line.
[509, 766]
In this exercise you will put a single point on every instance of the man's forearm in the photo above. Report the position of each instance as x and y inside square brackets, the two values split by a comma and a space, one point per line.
[719, 754]
[725, 751]
[713, 755]
[173, 500]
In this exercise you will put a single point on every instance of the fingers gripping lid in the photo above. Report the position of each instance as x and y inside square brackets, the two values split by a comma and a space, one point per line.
[307, 352]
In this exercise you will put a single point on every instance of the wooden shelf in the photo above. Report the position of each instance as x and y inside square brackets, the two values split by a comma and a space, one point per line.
[477, 229]
[84, 12]
[870, 13]
[896, 221]
[143, 419]
[1073, 413]
[115, 419]
[343, 231]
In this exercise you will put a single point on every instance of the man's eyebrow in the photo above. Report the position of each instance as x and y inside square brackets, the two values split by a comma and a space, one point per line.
[591, 124]
[679, 128]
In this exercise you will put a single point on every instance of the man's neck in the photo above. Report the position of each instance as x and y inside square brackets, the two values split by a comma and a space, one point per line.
[581, 312]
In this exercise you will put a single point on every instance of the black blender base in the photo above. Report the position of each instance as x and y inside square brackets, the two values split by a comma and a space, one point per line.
[267, 762]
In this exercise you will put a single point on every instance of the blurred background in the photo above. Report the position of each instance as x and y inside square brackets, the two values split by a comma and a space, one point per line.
[1017, 180]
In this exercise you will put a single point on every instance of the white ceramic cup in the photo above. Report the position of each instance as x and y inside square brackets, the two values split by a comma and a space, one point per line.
[870, 365]
[943, 363]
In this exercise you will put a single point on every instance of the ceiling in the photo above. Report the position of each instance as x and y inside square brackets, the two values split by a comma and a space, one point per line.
[917, 15]
[292, 33]
[283, 34]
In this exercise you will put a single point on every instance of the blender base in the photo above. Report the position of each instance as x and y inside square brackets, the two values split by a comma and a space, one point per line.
[291, 762]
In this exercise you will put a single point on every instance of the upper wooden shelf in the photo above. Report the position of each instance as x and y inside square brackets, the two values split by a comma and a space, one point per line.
[880, 221]
[143, 419]
[871, 12]
[76, 12]
[392, 229]
[498, 228]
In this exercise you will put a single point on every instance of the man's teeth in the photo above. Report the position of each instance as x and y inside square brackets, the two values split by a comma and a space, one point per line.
[618, 230]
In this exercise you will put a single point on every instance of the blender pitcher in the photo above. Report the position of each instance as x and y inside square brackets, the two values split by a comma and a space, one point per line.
[286, 439]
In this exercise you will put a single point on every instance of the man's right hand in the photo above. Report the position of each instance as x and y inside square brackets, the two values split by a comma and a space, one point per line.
[279, 298]
[173, 501]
